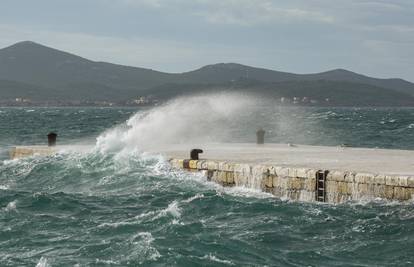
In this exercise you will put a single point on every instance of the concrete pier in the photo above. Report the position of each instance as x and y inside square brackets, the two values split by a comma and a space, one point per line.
[305, 173]
[19, 152]
[28, 151]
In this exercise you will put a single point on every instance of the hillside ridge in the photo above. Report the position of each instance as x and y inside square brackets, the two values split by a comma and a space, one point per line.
[48, 73]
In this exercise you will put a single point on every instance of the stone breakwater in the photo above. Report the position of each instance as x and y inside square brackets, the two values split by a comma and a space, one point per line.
[304, 184]
[305, 173]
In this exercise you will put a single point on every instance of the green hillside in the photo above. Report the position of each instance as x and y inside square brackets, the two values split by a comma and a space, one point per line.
[43, 74]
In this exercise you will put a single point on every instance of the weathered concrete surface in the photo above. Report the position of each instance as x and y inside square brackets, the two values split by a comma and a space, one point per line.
[384, 161]
[28, 151]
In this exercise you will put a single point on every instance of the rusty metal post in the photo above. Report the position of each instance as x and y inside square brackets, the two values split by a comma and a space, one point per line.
[260, 136]
[194, 153]
[51, 139]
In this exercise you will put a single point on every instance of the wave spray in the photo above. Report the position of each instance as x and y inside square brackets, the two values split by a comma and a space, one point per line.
[195, 119]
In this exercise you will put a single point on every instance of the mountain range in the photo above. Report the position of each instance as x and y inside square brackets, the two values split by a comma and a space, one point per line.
[43, 75]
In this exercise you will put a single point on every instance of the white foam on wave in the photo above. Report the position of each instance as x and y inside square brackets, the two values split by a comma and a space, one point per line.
[211, 257]
[172, 209]
[10, 161]
[242, 191]
[197, 196]
[106, 262]
[117, 224]
[248, 190]
[128, 159]
[11, 206]
[143, 247]
[43, 262]
[4, 187]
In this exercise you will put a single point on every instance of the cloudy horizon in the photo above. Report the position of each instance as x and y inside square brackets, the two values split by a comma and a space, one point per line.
[374, 37]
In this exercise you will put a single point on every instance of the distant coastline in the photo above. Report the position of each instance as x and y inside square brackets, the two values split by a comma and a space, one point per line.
[35, 75]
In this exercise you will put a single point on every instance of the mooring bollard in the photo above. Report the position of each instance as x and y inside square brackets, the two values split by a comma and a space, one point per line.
[51, 139]
[194, 153]
[260, 136]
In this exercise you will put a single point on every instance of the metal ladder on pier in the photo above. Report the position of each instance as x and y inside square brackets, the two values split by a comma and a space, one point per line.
[321, 186]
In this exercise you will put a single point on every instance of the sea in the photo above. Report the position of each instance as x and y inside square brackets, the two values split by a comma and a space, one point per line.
[108, 202]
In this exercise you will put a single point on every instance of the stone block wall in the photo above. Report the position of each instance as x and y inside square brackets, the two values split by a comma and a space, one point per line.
[300, 183]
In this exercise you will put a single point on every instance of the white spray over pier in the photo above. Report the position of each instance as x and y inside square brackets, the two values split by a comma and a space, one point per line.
[308, 173]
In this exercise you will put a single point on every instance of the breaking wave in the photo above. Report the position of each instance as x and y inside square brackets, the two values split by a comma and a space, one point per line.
[204, 118]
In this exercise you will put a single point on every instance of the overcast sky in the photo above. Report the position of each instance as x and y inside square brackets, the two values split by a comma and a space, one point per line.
[372, 37]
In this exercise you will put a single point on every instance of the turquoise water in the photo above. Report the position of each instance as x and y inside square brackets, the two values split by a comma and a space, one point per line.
[115, 205]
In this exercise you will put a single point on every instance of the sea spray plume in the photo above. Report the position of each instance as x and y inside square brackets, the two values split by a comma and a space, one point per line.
[193, 119]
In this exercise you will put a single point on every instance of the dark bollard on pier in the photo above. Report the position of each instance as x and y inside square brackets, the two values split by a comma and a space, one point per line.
[51, 139]
[260, 136]
[194, 153]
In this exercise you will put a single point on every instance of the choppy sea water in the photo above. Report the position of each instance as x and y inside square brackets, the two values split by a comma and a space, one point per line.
[115, 205]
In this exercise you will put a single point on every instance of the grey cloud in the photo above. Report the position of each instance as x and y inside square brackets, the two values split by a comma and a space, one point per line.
[366, 36]
[241, 12]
